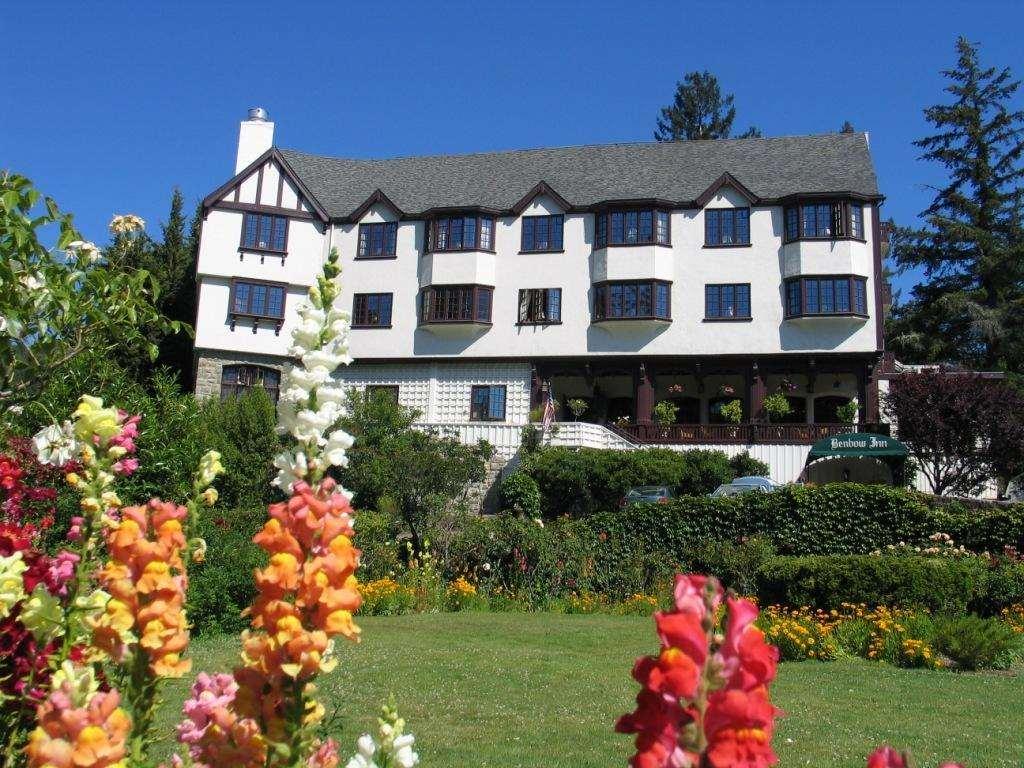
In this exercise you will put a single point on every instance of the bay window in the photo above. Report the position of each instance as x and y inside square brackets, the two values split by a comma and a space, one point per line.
[831, 295]
[461, 233]
[633, 300]
[456, 304]
[824, 220]
[632, 227]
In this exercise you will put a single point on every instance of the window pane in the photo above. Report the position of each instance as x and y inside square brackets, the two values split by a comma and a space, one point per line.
[618, 228]
[263, 239]
[441, 235]
[811, 287]
[860, 297]
[483, 306]
[363, 241]
[645, 307]
[385, 309]
[793, 289]
[728, 301]
[856, 220]
[275, 302]
[808, 228]
[241, 297]
[714, 227]
[828, 304]
[487, 234]
[376, 240]
[792, 220]
[632, 226]
[557, 224]
[469, 232]
[258, 305]
[601, 230]
[555, 304]
[743, 225]
[661, 306]
[743, 301]
[280, 230]
[646, 226]
[824, 220]
[541, 233]
[497, 404]
[711, 304]
[662, 223]
[728, 226]
[251, 222]
[600, 296]
[479, 400]
[842, 295]
[455, 234]
[629, 300]
[528, 243]
[392, 238]
[615, 301]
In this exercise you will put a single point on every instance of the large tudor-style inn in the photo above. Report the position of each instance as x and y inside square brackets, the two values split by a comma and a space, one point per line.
[700, 272]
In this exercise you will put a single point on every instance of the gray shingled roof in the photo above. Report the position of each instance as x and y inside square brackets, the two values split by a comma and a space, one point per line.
[674, 171]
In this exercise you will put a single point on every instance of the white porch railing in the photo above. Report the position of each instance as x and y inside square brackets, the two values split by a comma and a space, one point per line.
[504, 437]
[580, 434]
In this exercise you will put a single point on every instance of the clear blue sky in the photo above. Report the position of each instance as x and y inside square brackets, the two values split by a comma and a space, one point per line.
[109, 106]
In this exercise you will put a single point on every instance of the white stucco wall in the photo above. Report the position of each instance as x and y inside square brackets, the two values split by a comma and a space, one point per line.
[687, 263]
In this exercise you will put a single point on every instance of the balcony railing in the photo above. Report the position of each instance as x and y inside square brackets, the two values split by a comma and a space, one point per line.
[726, 434]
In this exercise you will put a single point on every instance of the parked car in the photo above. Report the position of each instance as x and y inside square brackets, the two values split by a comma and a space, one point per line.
[647, 494]
[751, 484]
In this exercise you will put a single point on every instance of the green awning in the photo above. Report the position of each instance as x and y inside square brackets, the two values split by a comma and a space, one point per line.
[858, 444]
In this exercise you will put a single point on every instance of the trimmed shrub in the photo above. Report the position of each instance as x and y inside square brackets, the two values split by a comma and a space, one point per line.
[703, 471]
[942, 585]
[377, 539]
[971, 642]
[520, 495]
[745, 465]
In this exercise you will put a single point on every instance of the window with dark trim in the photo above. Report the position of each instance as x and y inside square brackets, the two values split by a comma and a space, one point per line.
[377, 241]
[257, 299]
[371, 310]
[462, 233]
[542, 233]
[832, 295]
[633, 300]
[727, 226]
[239, 379]
[538, 306]
[824, 220]
[456, 304]
[263, 232]
[387, 390]
[487, 402]
[727, 301]
[632, 227]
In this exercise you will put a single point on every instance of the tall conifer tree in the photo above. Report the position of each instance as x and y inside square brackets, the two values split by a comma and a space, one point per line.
[699, 111]
[969, 308]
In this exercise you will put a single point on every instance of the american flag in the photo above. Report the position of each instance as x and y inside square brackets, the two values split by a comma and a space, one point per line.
[549, 412]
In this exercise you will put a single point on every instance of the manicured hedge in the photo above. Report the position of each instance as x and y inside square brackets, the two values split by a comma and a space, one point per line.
[944, 585]
[581, 482]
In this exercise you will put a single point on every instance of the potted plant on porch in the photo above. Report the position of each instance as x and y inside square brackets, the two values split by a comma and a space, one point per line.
[577, 406]
[847, 412]
[664, 416]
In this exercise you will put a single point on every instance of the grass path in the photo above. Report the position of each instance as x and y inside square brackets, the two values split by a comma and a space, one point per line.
[542, 691]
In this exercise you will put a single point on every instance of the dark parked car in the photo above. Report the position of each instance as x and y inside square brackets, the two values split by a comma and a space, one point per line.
[648, 494]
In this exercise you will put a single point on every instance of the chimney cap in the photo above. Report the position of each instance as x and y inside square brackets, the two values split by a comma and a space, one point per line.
[258, 113]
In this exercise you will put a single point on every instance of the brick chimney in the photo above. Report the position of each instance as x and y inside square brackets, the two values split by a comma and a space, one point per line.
[255, 136]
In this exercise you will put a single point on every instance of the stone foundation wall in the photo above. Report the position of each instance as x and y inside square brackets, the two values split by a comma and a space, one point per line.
[209, 363]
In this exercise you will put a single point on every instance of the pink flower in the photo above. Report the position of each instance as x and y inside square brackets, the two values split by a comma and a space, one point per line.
[60, 570]
[75, 531]
[325, 755]
[125, 467]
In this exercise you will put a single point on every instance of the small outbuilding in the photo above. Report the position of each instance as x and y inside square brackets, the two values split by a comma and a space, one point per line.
[856, 457]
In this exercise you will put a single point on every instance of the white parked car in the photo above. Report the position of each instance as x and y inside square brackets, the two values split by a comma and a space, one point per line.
[751, 484]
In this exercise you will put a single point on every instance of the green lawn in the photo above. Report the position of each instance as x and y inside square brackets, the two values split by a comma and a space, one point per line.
[542, 691]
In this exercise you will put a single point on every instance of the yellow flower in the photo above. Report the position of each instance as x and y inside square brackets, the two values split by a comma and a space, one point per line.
[12, 588]
[72, 479]
[210, 496]
[42, 615]
[209, 468]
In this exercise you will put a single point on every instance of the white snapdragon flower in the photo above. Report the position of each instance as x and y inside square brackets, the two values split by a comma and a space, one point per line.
[324, 358]
[338, 443]
[366, 748]
[332, 395]
[127, 223]
[292, 467]
[403, 753]
[55, 445]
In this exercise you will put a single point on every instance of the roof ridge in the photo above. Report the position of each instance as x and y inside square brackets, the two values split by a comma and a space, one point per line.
[529, 150]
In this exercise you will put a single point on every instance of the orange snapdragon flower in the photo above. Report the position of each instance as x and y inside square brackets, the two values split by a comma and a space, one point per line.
[69, 736]
[146, 580]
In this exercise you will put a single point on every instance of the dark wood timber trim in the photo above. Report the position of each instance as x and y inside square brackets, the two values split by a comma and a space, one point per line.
[725, 180]
[876, 242]
[378, 196]
[274, 155]
[273, 210]
[540, 188]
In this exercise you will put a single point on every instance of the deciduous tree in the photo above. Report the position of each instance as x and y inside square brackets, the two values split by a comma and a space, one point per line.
[961, 429]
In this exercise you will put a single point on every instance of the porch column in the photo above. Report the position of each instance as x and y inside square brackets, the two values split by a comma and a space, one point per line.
[756, 388]
[872, 394]
[812, 380]
[862, 394]
[643, 399]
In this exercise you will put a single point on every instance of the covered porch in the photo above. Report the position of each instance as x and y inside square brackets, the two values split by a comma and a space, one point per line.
[709, 393]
